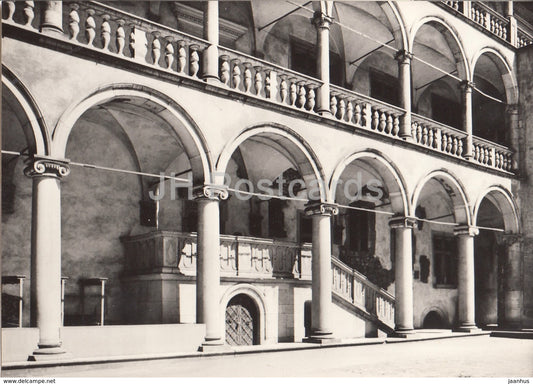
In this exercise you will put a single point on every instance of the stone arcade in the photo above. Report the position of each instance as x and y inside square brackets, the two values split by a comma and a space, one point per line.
[423, 104]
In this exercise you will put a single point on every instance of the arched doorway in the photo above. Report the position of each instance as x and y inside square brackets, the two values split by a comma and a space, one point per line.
[242, 321]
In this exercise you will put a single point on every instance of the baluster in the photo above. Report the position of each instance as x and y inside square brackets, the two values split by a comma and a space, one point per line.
[388, 128]
[430, 137]
[419, 134]
[444, 142]
[454, 146]
[504, 32]
[425, 135]
[169, 52]
[283, 89]
[437, 140]
[358, 115]
[497, 160]
[301, 95]
[349, 111]
[105, 32]
[311, 98]
[414, 126]
[194, 60]
[182, 57]
[375, 119]
[156, 48]
[459, 147]
[121, 37]
[74, 21]
[487, 156]
[292, 92]
[382, 121]
[90, 26]
[396, 126]
[258, 80]
[224, 69]
[10, 10]
[29, 13]
[247, 77]
[236, 73]
[342, 109]
[132, 42]
[367, 116]
[450, 144]
[268, 84]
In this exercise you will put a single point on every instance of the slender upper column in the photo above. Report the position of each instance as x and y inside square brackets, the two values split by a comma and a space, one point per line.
[208, 263]
[466, 305]
[52, 17]
[466, 91]
[404, 76]
[512, 111]
[46, 252]
[512, 284]
[322, 21]
[211, 34]
[403, 271]
[321, 328]
[513, 26]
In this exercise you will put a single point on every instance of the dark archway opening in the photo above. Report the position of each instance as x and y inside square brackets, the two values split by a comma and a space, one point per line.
[434, 320]
[242, 321]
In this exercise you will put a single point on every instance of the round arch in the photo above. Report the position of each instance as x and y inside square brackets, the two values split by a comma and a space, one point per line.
[386, 168]
[35, 129]
[451, 37]
[504, 200]
[191, 137]
[259, 300]
[304, 157]
[509, 81]
[455, 190]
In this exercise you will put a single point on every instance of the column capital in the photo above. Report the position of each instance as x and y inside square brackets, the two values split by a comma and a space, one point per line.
[466, 230]
[210, 192]
[319, 208]
[403, 56]
[321, 20]
[466, 85]
[508, 239]
[512, 109]
[403, 222]
[47, 166]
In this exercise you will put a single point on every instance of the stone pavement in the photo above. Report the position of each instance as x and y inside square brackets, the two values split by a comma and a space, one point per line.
[480, 356]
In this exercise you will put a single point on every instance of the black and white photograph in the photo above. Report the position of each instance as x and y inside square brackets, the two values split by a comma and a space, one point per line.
[267, 190]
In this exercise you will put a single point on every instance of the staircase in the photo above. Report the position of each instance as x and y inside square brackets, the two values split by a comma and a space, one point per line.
[368, 301]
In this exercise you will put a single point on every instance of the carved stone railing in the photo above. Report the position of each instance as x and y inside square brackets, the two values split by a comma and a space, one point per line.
[523, 37]
[259, 78]
[492, 155]
[365, 112]
[175, 252]
[489, 19]
[436, 136]
[358, 290]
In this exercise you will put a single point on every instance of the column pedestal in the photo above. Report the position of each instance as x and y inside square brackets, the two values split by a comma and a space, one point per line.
[321, 327]
[46, 254]
[466, 302]
[208, 266]
[403, 271]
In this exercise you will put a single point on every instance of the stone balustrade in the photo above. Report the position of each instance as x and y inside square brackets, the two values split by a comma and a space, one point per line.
[364, 112]
[358, 290]
[489, 19]
[523, 38]
[436, 136]
[492, 155]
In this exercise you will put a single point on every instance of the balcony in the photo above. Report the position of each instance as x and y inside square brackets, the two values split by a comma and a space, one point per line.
[125, 40]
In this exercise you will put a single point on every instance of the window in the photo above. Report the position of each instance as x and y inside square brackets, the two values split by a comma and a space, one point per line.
[360, 228]
[446, 111]
[445, 260]
[304, 60]
[384, 87]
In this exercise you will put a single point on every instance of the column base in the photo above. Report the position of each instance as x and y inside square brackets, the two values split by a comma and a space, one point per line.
[214, 346]
[404, 334]
[47, 354]
[408, 138]
[321, 337]
[212, 80]
[467, 329]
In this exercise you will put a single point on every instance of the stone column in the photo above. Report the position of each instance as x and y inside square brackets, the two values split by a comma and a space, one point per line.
[466, 290]
[466, 91]
[512, 283]
[512, 112]
[322, 21]
[403, 271]
[46, 174]
[512, 35]
[208, 265]
[211, 34]
[52, 19]
[321, 328]
[404, 78]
